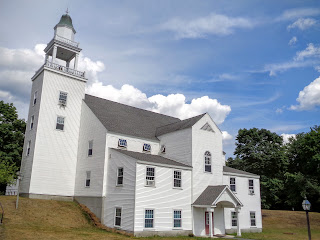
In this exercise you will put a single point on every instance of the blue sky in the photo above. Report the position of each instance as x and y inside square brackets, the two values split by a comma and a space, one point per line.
[247, 63]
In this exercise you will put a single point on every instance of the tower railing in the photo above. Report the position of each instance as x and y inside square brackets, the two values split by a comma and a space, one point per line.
[66, 40]
[64, 69]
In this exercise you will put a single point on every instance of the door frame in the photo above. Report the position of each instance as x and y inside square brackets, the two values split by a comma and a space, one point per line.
[206, 226]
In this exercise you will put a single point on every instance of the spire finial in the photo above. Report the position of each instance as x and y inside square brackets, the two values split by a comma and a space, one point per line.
[67, 11]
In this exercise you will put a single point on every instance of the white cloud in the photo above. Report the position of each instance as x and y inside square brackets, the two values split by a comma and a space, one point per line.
[309, 97]
[293, 41]
[317, 68]
[173, 104]
[299, 13]
[226, 136]
[286, 137]
[215, 24]
[279, 110]
[310, 51]
[302, 23]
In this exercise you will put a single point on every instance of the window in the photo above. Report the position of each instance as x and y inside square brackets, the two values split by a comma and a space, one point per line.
[148, 218]
[120, 176]
[150, 176]
[63, 98]
[88, 176]
[177, 219]
[163, 149]
[31, 122]
[234, 219]
[207, 161]
[251, 186]
[146, 147]
[177, 179]
[233, 184]
[122, 143]
[35, 95]
[253, 219]
[28, 148]
[90, 148]
[117, 217]
[60, 123]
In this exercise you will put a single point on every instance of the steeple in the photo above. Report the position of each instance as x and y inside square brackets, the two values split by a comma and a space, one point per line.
[62, 49]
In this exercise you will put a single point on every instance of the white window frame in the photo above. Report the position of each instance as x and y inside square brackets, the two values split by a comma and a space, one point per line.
[62, 101]
[90, 147]
[122, 143]
[64, 123]
[35, 97]
[28, 150]
[234, 217]
[233, 184]
[146, 147]
[253, 219]
[118, 176]
[153, 222]
[149, 176]
[31, 122]
[88, 173]
[251, 188]
[180, 210]
[115, 216]
[174, 178]
[207, 157]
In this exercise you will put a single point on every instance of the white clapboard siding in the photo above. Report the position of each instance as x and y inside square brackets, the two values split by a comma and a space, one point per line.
[163, 198]
[91, 129]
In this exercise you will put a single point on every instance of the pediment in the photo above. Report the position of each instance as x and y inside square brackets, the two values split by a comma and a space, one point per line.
[207, 127]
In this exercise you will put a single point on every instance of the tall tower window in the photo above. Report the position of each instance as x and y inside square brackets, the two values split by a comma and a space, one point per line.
[90, 149]
[35, 96]
[88, 178]
[207, 161]
[63, 98]
[28, 148]
[60, 123]
[31, 122]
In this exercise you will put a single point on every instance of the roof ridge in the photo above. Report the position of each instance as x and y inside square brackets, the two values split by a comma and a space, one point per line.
[132, 106]
[182, 120]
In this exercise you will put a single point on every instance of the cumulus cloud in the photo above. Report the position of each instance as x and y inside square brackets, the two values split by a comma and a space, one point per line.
[286, 137]
[302, 23]
[226, 136]
[214, 24]
[299, 13]
[173, 104]
[309, 97]
[293, 41]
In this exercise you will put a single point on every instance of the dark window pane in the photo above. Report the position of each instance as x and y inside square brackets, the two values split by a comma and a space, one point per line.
[88, 183]
[208, 168]
[90, 152]
[118, 221]
[148, 223]
[59, 126]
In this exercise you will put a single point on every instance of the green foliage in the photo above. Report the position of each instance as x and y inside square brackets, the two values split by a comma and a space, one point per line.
[288, 171]
[11, 142]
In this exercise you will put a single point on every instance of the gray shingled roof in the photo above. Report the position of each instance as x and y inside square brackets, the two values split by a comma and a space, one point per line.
[233, 170]
[209, 195]
[187, 123]
[145, 157]
[124, 119]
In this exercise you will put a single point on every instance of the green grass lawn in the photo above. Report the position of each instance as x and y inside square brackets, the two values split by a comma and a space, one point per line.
[43, 219]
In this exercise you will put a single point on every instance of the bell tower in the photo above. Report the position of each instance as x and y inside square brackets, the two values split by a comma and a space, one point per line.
[49, 159]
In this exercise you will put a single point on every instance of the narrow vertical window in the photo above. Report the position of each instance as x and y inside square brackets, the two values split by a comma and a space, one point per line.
[253, 219]
[88, 178]
[35, 96]
[207, 161]
[31, 122]
[60, 123]
[120, 176]
[148, 218]
[28, 148]
[177, 219]
[177, 179]
[233, 184]
[150, 176]
[234, 218]
[90, 148]
[251, 186]
[117, 217]
[63, 98]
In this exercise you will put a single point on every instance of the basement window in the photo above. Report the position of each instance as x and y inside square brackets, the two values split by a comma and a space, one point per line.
[253, 219]
[177, 219]
[117, 217]
[148, 218]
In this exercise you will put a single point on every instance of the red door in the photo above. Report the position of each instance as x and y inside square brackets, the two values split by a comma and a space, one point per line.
[206, 220]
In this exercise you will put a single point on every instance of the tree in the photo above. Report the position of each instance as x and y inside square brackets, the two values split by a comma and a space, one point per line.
[262, 152]
[11, 143]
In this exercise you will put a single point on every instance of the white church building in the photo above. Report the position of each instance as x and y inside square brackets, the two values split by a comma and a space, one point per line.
[139, 171]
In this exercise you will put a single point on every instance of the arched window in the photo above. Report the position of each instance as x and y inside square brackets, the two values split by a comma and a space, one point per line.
[207, 161]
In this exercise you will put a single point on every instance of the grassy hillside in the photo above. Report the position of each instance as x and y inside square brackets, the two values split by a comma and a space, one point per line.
[43, 219]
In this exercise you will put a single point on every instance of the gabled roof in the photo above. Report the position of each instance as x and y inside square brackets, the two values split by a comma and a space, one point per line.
[187, 123]
[124, 119]
[236, 171]
[145, 157]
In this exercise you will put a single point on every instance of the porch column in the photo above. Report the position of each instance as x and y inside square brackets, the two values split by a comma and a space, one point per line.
[67, 64]
[46, 58]
[210, 210]
[238, 222]
[54, 54]
[76, 62]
